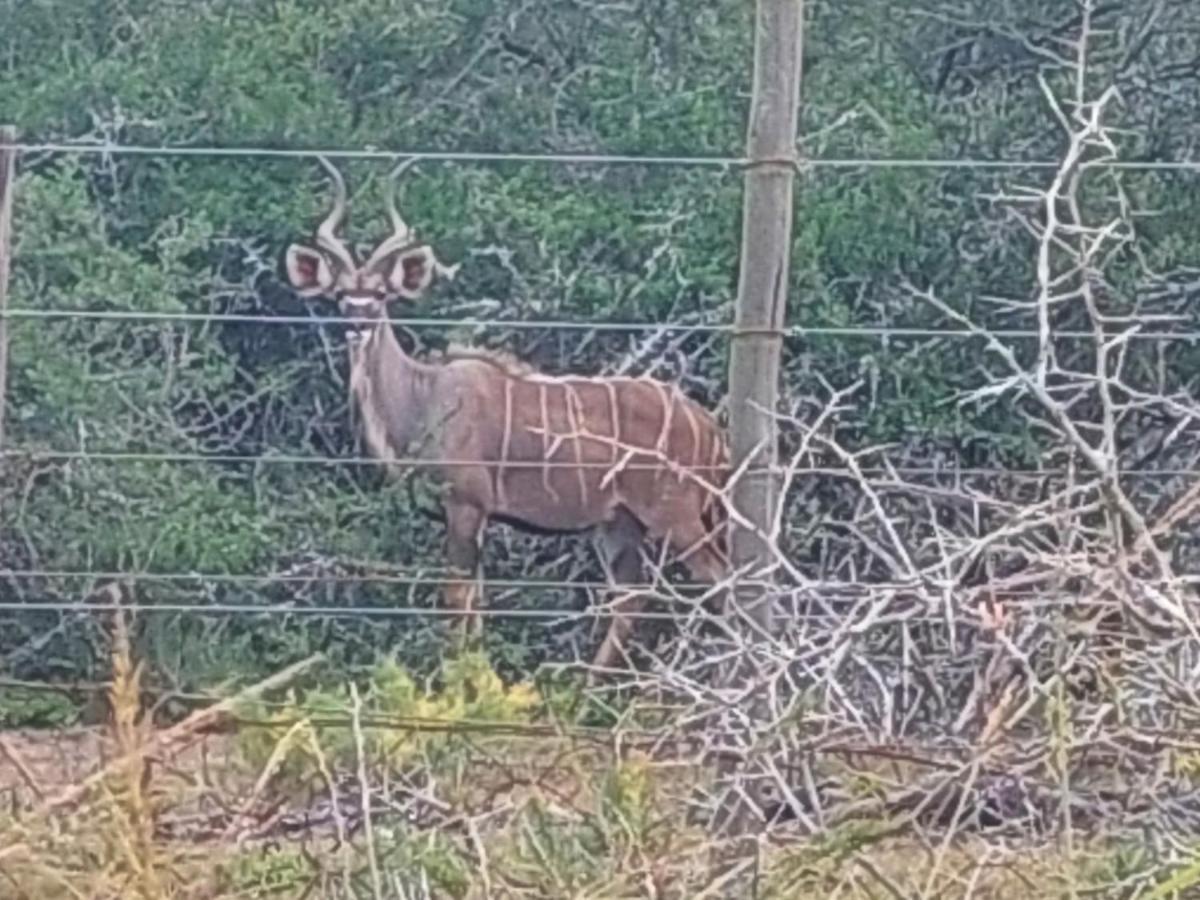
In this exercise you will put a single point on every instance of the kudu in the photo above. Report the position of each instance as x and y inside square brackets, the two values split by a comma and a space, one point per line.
[631, 457]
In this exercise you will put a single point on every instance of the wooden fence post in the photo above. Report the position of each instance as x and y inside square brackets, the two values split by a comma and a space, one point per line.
[759, 322]
[8, 175]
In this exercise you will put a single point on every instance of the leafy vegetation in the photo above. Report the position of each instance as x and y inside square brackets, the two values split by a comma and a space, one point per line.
[201, 235]
[470, 694]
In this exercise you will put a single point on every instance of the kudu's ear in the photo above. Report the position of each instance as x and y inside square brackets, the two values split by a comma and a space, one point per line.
[308, 271]
[408, 272]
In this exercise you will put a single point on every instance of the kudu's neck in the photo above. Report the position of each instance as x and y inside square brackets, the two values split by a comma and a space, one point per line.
[391, 391]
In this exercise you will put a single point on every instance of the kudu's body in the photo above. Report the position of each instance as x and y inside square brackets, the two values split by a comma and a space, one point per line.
[631, 457]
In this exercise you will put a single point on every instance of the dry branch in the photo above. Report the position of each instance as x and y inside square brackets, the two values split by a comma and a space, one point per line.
[171, 738]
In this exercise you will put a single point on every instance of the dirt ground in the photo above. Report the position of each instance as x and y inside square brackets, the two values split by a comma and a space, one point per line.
[37, 765]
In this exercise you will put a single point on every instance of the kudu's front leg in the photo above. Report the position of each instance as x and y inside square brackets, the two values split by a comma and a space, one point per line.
[464, 528]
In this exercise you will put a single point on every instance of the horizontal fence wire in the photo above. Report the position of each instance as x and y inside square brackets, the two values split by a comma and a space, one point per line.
[880, 331]
[322, 715]
[944, 753]
[390, 578]
[831, 742]
[550, 616]
[105, 686]
[617, 159]
[399, 578]
[404, 462]
[554, 616]
[35, 454]
[826, 588]
[355, 611]
[952, 751]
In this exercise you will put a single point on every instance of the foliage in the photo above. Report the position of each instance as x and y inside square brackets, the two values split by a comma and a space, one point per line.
[400, 719]
[35, 707]
[264, 874]
[202, 235]
[1180, 883]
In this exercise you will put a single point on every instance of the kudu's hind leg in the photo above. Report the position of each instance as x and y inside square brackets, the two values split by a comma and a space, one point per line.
[464, 530]
[620, 542]
[692, 541]
[695, 543]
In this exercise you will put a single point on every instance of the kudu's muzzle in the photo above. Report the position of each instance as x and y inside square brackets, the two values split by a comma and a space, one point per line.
[362, 314]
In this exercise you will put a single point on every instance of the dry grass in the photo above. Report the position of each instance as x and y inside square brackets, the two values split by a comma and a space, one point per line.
[521, 831]
[477, 790]
[491, 816]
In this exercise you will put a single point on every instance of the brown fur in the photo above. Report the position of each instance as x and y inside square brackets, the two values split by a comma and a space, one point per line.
[632, 457]
[504, 361]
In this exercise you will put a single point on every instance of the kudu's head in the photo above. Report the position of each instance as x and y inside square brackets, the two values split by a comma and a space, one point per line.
[400, 266]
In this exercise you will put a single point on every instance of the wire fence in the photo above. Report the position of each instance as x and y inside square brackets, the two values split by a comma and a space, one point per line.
[883, 473]
[455, 156]
[1123, 332]
[1133, 332]
[824, 586]
[553, 616]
